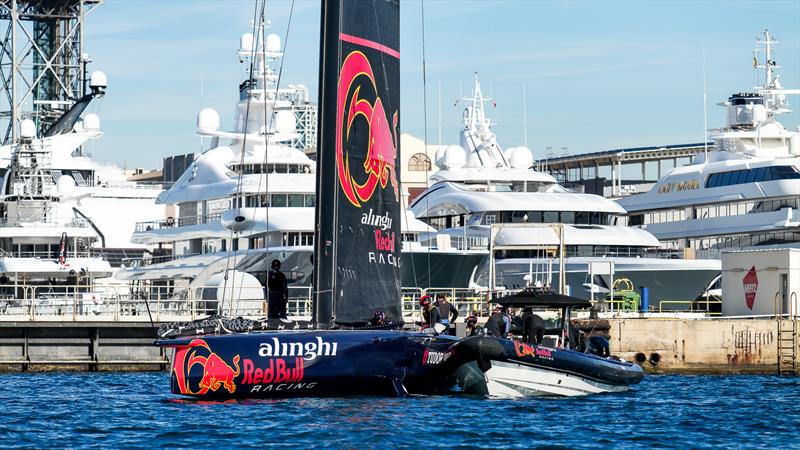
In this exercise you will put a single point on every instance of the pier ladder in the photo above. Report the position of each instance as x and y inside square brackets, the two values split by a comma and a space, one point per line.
[787, 334]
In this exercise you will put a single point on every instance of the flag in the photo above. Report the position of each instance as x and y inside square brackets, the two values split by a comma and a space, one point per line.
[755, 63]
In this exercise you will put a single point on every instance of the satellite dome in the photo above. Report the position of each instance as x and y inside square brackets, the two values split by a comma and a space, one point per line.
[285, 122]
[208, 120]
[98, 80]
[91, 122]
[65, 185]
[273, 43]
[454, 157]
[246, 43]
[521, 158]
[27, 129]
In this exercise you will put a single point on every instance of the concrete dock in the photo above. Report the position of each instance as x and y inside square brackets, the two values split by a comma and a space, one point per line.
[708, 346]
[79, 346]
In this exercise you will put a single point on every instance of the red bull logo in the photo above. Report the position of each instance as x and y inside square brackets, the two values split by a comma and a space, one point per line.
[522, 349]
[378, 167]
[216, 372]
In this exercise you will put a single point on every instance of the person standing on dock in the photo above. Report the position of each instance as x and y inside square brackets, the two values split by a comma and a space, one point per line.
[278, 294]
[447, 312]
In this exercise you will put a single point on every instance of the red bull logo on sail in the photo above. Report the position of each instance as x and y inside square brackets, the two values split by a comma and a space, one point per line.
[378, 168]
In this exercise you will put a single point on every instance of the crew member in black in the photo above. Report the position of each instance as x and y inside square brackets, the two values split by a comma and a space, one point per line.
[532, 327]
[598, 345]
[378, 319]
[447, 312]
[278, 291]
[430, 313]
[473, 329]
[496, 325]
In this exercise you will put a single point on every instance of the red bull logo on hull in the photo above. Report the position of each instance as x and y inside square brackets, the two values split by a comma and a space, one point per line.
[378, 167]
[216, 372]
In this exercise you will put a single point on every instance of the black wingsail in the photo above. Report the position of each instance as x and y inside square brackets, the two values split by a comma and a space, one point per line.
[358, 195]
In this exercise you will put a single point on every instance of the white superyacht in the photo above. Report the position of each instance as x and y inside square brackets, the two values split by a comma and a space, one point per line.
[480, 184]
[745, 192]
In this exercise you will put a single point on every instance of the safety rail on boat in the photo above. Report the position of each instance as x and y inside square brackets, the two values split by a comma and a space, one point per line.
[174, 222]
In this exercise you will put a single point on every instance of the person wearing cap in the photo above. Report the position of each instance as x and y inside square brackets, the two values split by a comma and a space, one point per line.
[447, 311]
[473, 329]
[496, 325]
[430, 313]
[278, 294]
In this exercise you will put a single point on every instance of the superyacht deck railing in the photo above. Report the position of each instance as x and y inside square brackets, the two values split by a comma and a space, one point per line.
[172, 222]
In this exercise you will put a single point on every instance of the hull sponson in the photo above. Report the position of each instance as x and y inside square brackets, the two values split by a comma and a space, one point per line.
[309, 363]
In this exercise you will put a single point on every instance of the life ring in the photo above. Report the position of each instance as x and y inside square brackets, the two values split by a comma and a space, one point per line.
[170, 221]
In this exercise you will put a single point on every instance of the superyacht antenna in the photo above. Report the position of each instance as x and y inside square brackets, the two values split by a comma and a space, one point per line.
[705, 109]
[524, 117]
[440, 113]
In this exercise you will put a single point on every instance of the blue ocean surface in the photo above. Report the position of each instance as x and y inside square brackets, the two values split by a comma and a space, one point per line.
[136, 410]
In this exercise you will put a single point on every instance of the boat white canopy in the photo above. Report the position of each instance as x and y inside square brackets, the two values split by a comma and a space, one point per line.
[448, 199]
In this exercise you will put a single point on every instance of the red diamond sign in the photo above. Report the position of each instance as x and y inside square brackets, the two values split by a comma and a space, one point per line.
[750, 284]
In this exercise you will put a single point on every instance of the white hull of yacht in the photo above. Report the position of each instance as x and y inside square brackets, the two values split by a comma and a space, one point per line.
[512, 380]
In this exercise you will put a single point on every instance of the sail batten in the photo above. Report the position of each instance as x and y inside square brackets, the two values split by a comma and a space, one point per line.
[358, 205]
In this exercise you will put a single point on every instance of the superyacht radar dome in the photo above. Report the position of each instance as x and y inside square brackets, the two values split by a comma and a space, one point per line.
[521, 158]
[98, 81]
[454, 157]
[91, 122]
[273, 43]
[246, 43]
[207, 120]
[27, 129]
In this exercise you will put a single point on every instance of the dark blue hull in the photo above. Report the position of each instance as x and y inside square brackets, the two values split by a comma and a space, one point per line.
[310, 364]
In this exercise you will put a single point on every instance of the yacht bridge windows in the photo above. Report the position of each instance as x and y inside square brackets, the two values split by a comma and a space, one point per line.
[256, 169]
[492, 217]
[760, 174]
[278, 200]
[711, 211]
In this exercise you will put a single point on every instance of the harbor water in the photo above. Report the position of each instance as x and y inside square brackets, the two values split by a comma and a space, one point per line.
[135, 410]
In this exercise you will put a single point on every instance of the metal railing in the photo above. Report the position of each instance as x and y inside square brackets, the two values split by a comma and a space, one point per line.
[172, 222]
[687, 306]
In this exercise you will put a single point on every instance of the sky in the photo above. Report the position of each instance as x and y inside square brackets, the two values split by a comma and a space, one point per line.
[598, 75]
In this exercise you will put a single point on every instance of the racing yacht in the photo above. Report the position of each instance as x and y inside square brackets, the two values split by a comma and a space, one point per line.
[340, 352]
[480, 185]
[745, 191]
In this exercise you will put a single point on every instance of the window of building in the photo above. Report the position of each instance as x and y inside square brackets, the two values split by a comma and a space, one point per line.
[419, 163]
